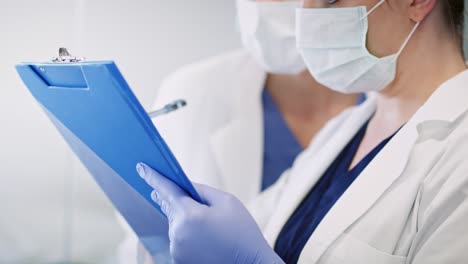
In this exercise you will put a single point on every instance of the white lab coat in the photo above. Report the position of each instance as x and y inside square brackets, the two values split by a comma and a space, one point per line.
[218, 136]
[408, 206]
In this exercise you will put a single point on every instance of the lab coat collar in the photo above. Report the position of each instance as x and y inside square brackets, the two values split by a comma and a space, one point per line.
[438, 114]
[244, 131]
[447, 103]
[304, 175]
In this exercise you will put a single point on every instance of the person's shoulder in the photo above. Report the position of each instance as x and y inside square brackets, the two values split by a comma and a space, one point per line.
[217, 70]
[457, 138]
[218, 80]
[448, 141]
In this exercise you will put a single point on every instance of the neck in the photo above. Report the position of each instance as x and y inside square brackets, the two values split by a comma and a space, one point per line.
[305, 104]
[422, 67]
[302, 95]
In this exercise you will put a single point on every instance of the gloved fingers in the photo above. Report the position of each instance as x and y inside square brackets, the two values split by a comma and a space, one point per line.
[167, 195]
[209, 194]
[166, 208]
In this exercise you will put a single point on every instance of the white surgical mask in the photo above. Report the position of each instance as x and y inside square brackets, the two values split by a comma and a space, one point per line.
[268, 33]
[333, 45]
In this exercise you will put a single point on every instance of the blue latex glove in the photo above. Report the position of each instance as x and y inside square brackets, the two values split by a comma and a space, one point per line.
[222, 231]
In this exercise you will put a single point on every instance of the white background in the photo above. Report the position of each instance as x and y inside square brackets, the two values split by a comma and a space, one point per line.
[148, 39]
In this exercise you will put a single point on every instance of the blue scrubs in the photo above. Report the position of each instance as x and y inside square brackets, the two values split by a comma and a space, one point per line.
[321, 199]
[277, 136]
[362, 97]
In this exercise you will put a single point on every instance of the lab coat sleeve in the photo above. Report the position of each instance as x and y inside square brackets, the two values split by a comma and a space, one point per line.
[171, 89]
[443, 230]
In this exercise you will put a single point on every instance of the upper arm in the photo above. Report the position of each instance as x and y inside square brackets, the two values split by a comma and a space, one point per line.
[172, 88]
[445, 238]
[185, 84]
[442, 235]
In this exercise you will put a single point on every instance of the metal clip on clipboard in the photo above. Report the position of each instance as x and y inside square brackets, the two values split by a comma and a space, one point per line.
[66, 57]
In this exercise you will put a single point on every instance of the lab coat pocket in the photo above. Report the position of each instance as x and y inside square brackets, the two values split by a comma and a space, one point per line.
[350, 250]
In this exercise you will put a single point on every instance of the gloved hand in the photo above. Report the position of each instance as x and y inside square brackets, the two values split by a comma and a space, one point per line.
[222, 231]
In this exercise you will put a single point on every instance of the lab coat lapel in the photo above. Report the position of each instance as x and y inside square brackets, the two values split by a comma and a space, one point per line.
[238, 146]
[304, 175]
[367, 188]
[387, 166]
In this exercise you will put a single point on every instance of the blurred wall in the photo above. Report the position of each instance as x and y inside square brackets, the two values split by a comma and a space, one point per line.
[50, 209]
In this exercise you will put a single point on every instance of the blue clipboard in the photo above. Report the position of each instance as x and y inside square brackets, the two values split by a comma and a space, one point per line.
[98, 115]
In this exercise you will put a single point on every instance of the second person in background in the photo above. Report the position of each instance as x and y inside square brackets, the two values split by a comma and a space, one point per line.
[249, 112]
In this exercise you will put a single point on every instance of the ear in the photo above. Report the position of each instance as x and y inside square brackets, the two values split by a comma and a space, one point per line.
[420, 9]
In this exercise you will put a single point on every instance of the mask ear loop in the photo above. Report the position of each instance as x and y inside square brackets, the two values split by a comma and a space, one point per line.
[373, 9]
[405, 43]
